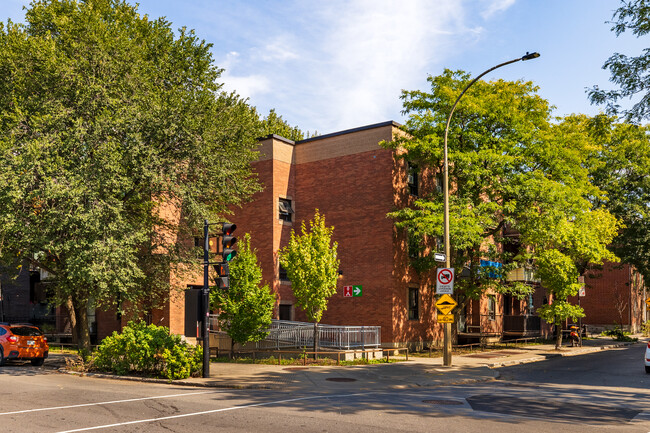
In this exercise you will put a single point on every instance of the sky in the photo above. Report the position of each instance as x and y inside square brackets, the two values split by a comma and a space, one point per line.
[331, 65]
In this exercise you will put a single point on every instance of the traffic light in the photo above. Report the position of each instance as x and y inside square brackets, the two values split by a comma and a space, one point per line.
[227, 241]
[223, 276]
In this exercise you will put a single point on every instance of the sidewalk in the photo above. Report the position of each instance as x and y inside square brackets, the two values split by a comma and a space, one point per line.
[417, 372]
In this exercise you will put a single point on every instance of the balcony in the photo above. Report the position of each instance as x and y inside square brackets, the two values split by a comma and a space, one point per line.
[523, 274]
[523, 326]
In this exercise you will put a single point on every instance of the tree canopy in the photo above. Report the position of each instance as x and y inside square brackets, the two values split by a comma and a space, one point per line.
[629, 73]
[622, 170]
[115, 141]
[246, 308]
[519, 181]
[312, 265]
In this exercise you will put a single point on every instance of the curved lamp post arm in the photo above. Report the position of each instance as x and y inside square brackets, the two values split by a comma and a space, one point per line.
[446, 164]
[447, 326]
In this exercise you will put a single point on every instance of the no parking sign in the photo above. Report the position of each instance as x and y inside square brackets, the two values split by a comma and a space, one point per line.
[445, 281]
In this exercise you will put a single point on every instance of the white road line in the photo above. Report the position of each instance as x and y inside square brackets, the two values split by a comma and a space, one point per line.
[141, 421]
[106, 402]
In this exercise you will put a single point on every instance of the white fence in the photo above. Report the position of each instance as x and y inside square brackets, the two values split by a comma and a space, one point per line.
[285, 334]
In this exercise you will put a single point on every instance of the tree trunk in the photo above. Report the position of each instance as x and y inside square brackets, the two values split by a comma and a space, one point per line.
[316, 340]
[73, 320]
[232, 348]
[558, 336]
[82, 331]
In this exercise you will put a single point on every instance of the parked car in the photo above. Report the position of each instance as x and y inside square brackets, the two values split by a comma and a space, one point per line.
[22, 341]
[647, 358]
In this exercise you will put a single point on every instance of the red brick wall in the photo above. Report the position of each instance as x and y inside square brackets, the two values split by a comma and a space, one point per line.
[355, 193]
[613, 295]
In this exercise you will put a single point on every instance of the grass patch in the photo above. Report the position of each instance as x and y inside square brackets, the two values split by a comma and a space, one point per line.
[272, 360]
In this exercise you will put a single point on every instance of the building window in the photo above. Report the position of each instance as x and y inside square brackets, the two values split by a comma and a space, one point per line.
[439, 183]
[286, 211]
[492, 307]
[284, 312]
[282, 274]
[413, 174]
[414, 302]
[413, 245]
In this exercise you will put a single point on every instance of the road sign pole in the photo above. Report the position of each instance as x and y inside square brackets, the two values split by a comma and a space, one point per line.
[447, 348]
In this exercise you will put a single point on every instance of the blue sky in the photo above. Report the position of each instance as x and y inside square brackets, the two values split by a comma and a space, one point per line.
[331, 65]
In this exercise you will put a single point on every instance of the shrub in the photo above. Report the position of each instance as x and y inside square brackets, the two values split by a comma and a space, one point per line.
[618, 334]
[646, 328]
[149, 350]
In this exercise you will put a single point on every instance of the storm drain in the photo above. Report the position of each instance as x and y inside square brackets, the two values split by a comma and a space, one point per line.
[295, 368]
[444, 402]
[341, 379]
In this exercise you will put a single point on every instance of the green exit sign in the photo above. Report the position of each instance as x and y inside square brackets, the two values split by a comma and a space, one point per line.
[357, 290]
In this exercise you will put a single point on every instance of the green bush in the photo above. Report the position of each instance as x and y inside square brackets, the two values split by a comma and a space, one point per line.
[149, 350]
[618, 334]
[646, 328]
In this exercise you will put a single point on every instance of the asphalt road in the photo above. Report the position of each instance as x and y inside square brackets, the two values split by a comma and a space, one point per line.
[605, 391]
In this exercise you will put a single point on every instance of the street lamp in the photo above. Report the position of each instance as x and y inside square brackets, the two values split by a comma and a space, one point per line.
[447, 326]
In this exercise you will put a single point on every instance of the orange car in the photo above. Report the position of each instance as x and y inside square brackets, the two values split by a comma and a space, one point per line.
[22, 341]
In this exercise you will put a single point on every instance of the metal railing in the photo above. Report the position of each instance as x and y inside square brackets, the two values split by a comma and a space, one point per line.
[289, 334]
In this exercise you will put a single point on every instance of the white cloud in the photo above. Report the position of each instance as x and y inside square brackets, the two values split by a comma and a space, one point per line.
[496, 6]
[339, 64]
[367, 52]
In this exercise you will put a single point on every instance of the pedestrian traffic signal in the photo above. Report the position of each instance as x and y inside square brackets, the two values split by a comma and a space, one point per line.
[223, 276]
[227, 241]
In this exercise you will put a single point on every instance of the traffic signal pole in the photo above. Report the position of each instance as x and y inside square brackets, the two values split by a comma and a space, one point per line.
[223, 280]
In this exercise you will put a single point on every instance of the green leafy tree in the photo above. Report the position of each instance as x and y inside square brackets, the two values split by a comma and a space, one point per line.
[246, 309]
[274, 124]
[512, 170]
[629, 73]
[622, 170]
[312, 266]
[115, 141]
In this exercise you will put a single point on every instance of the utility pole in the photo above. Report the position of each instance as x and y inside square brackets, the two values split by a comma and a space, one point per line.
[205, 301]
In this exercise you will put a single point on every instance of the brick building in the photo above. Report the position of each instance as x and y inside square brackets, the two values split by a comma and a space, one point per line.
[355, 183]
[614, 295]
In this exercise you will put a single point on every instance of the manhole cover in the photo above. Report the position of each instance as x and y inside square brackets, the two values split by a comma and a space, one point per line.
[443, 402]
[341, 379]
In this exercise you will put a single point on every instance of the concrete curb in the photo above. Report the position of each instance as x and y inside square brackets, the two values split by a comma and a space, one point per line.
[182, 382]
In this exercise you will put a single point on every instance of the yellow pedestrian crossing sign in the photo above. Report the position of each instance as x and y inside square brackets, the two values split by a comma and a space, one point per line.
[445, 304]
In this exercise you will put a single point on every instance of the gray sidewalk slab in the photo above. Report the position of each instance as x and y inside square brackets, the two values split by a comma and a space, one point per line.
[417, 372]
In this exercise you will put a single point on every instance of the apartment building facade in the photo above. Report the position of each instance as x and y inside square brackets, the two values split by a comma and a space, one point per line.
[355, 182]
